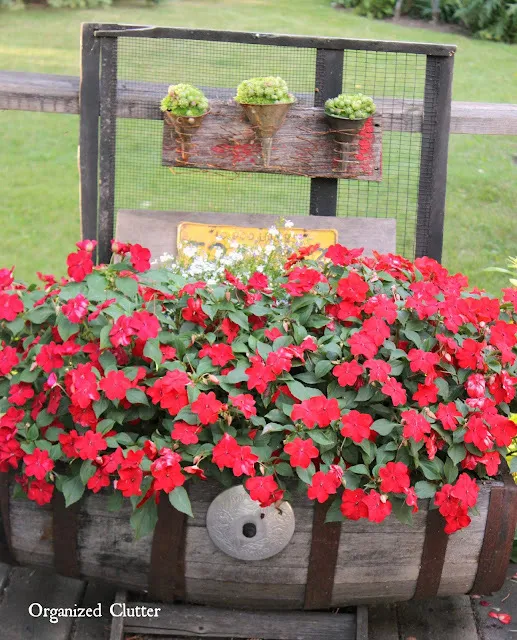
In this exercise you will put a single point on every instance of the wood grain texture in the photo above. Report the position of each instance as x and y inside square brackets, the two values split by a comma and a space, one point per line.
[60, 94]
[304, 145]
[376, 563]
[28, 585]
[157, 230]
[186, 620]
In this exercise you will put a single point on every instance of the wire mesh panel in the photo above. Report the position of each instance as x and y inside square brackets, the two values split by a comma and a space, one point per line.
[410, 84]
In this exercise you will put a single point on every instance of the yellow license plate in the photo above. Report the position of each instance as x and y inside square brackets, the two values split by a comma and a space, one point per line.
[213, 236]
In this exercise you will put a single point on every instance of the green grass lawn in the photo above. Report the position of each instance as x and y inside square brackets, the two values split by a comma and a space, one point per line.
[38, 152]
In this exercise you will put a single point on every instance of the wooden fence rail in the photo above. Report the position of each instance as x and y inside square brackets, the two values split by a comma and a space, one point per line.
[60, 94]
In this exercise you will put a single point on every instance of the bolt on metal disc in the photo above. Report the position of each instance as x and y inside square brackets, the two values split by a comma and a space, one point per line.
[242, 529]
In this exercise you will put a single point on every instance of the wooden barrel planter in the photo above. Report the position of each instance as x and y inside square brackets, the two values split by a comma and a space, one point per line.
[324, 565]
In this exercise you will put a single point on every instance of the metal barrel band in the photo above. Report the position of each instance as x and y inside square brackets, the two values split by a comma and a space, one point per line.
[322, 559]
[499, 532]
[65, 528]
[433, 557]
[167, 570]
[6, 549]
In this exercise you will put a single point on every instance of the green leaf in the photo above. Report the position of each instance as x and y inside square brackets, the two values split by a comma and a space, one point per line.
[513, 464]
[432, 469]
[240, 318]
[325, 438]
[100, 406]
[52, 434]
[302, 392]
[96, 287]
[127, 286]
[65, 327]
[414, 337]
[384, 427]
[73, 489]
[29, 376]
[284, 469]
[322, 368]
[44, 419]
[334, 512]
[136, 396]
[39, 315]
[144, 519]
[237, 375]
[457, 453]
[32, 432]
[152, 350]
[365, 393]
[16, 326]
[87, 471]
[271, 427]
[180, 501]
[451, 471]
[105, 342]
[402, 511]
[305, 475]
[359, 469]
[108, 361]
[104, 425]
[424, 489]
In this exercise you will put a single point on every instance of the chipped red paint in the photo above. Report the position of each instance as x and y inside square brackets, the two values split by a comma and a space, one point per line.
[238, 152]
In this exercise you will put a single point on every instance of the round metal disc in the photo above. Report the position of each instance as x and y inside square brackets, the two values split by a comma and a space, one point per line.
[241, 528]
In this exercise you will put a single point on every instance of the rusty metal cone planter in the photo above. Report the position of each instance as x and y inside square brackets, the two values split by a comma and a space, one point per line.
[185, 128]
[346, 134]
[266, 119]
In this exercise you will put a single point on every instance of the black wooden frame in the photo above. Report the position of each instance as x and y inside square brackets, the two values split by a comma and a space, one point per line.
[98, 120]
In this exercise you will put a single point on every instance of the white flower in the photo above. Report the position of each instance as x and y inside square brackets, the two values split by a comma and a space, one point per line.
[269, 248]
[190, 250]
[273, 231]
[288, 224]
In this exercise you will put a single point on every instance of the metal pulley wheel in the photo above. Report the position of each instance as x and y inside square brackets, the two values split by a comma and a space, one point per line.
[241, 528]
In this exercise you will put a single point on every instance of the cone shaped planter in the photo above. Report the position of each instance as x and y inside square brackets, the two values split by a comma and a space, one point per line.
[185, 128]
[266, 119]
[346, 136]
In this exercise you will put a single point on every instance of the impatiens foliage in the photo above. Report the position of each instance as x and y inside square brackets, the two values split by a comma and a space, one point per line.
[370, 382]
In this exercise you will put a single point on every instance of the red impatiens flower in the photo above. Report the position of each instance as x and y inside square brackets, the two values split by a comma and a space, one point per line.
[185, 433]
[140, 257]
[457, 520]
[121, 332]
[362, 344]
[50, 357]
[341, 256]
[415, 425]
[76, 309]
[130, 474]
[246, 404]
[301, 452]
[6, 278]
[478, 434]
[395, 391]
[80, 265]
[394, 477]
[505, 618]
[8, 360]
[10, 306]
[230, 329]
[38, 464]
[145, 325]
[353, 506]
[259, 375]
[207, 408]
[352, 288]
[423, 361]
[170, 391]
[380, 306]
[89, 445]
[40, 491]
[273, 334]
[20, 393]
[502, 387]
[322, 485]
[227, 453]
[356, 425]
[448, 415]
[82, 385]
[10, 454]
[466, 490]
[476, 385]
[317, 410]
[193, 312]
[264, 490]
[347, 373]
[379, 507]
[379, 370]
[166, 471]
[115, 385]
[279, 361]
[470, 355]
[220, 354]
[502, 429]
[301, 280]
[258, 281]
[426, 394]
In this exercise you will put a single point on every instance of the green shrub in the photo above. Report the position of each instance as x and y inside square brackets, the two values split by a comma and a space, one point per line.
[352, 107]
[269, 90]
[185, 100]
[490, 19]
[371, 8]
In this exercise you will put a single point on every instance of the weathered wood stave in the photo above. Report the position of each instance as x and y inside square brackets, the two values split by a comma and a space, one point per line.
[375, 563]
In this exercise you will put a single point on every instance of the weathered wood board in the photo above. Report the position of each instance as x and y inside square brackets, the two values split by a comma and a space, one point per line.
[304, 145]
[376, 563]
[157, 230]
[25, 91]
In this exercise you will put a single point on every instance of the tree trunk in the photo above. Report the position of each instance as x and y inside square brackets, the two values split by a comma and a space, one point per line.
[435, 11]
[398, 9]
